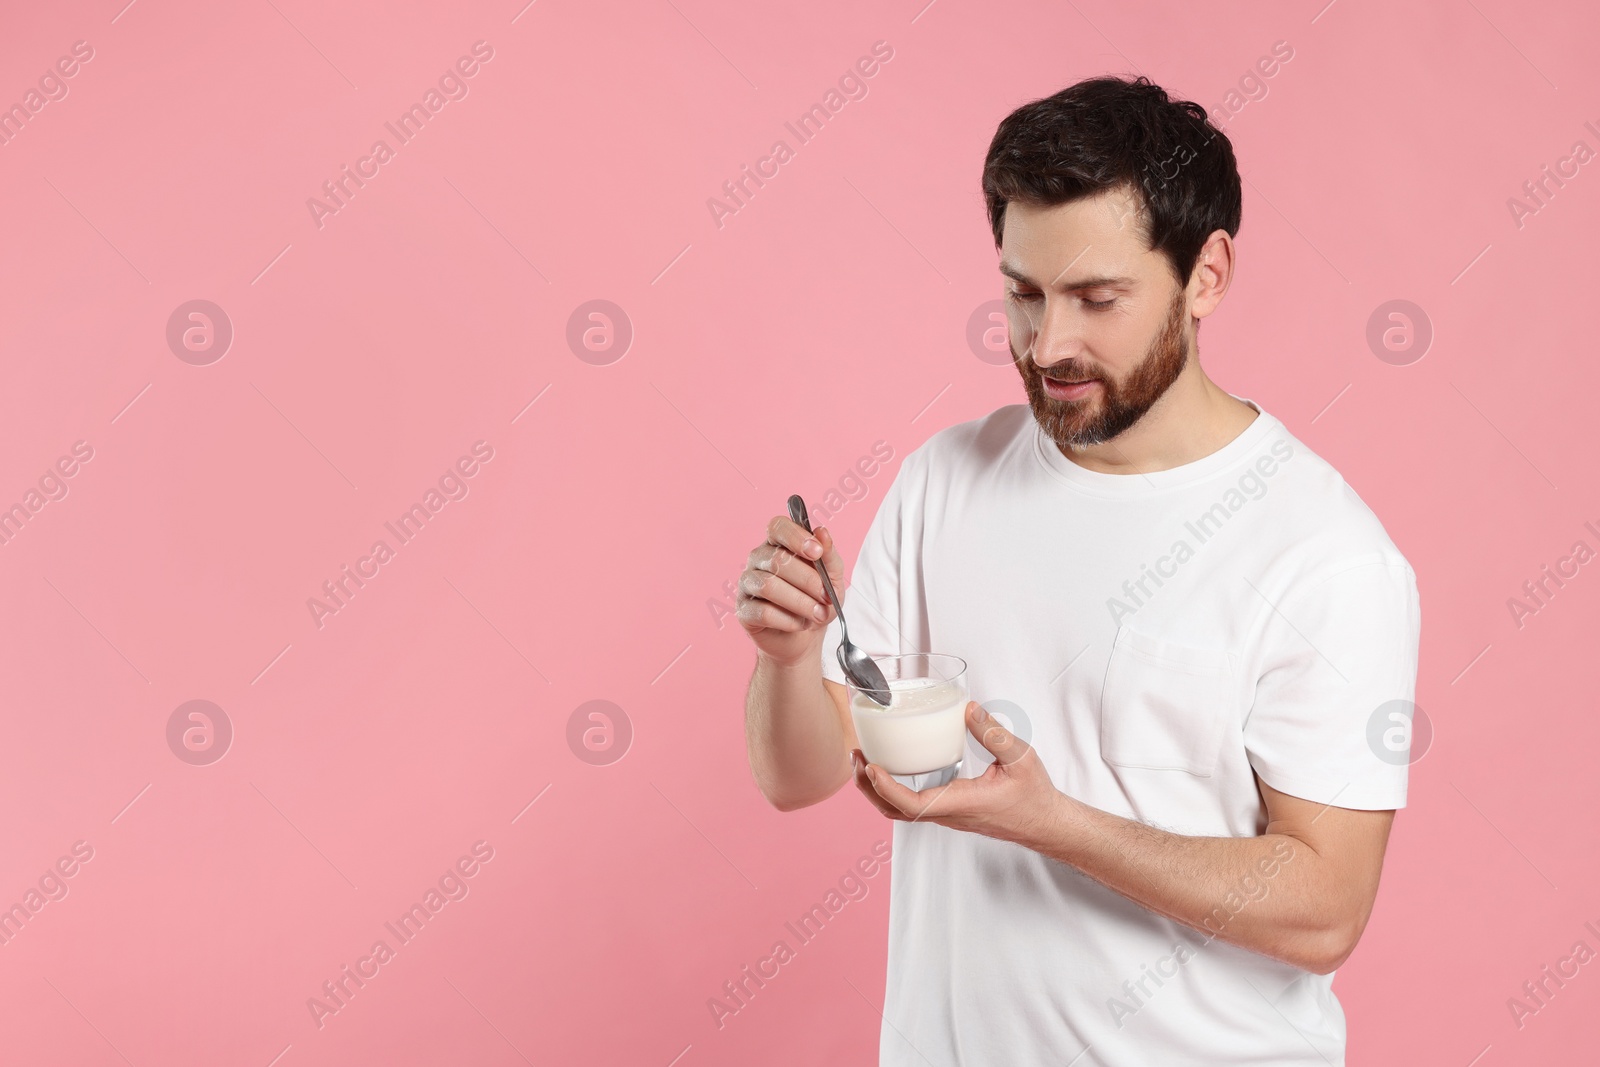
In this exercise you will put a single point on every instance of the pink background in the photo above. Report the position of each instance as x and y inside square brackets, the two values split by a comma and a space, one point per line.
[768, 355]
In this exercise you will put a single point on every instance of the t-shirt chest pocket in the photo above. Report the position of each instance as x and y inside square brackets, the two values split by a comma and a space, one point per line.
[1165, 705]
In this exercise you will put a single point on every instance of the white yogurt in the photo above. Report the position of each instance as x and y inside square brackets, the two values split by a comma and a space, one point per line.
[923, 729]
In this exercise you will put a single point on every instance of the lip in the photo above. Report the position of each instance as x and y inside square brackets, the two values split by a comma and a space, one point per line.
[1069, 392]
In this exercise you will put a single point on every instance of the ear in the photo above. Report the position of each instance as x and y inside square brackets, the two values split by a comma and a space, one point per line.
[1213, 272]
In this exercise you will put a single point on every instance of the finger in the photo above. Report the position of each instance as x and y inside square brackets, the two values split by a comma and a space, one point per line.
[786, 533]
[905, 802]
[864, 783]
[1006, 746]
[764, 585]
[914, 805]
[830, 556]
[755, 614]
[800, 573]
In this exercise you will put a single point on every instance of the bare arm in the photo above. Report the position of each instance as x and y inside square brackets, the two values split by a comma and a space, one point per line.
[799, 735]
[1301, 892]
[797, 726]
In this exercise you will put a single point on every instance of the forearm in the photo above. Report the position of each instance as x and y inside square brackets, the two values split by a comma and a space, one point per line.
[1271, 894]
[796, 742]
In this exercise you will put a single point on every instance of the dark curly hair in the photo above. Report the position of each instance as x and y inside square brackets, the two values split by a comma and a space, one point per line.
[1108, 132]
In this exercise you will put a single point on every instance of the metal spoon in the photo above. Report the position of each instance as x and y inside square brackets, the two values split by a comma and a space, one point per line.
[859, 667]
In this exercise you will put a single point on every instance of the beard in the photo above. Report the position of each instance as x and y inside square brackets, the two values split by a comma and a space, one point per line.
[1079, 424]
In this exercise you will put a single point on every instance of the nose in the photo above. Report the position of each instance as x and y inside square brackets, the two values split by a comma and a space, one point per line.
[1053, 334]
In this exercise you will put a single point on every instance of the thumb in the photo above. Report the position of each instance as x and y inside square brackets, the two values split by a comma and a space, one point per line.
[830, 557]
[1005, 746]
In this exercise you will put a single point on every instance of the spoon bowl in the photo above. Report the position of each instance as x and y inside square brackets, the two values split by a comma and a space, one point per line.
[860, 668]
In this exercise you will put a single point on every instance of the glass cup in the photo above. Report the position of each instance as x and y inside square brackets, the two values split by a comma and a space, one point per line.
[924, 728]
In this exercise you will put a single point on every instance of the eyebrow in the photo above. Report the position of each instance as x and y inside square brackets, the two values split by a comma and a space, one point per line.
[1104, 281]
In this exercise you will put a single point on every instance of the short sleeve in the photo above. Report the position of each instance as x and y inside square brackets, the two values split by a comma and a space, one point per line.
[873, 596]
[1340, 659]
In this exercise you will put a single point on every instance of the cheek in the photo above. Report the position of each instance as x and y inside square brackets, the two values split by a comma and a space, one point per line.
[1118, 348]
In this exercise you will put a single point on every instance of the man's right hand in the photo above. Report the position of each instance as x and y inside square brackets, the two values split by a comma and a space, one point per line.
[781, 603]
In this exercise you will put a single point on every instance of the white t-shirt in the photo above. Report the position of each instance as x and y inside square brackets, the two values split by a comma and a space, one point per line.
[1159, 639]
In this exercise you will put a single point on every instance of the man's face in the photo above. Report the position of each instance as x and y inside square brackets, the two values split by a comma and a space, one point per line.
[1087, 300]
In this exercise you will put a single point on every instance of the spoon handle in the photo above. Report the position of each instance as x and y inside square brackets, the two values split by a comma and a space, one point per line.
[797, 512]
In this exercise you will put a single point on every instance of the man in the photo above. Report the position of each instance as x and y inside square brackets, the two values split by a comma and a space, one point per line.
[1198, 630]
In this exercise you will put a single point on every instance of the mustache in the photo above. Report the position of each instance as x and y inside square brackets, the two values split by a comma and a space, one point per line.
[1071, 375]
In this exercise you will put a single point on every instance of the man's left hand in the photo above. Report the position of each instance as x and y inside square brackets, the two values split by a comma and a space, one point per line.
[1013, 800]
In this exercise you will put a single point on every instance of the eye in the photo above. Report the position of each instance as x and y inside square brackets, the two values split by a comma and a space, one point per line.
[1019, 295]
[1100, 305]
